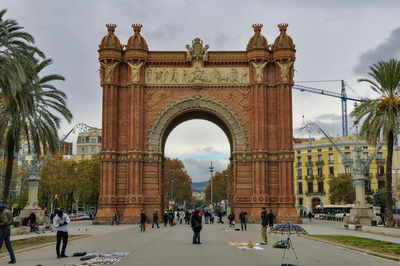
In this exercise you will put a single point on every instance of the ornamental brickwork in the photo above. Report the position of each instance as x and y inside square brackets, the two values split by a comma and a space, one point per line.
[146, 94]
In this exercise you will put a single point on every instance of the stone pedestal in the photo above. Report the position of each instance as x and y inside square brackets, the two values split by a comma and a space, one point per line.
[32, 204]
[361, 215]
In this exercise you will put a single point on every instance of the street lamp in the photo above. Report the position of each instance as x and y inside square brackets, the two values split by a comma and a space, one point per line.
[211, 168]
[34, 169]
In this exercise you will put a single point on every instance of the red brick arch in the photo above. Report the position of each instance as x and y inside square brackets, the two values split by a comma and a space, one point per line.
[147, 93]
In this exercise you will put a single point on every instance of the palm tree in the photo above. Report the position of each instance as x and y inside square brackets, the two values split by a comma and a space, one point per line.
[381, 116]
[37, 122]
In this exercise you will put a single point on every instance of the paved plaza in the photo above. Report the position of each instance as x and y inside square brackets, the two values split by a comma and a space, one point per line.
[172, 246]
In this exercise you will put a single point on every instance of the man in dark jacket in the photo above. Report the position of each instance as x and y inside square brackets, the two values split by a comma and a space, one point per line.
[32, 221]
[271, 217]
[231, 219]
[165, 219]
[155, 220]
[242, 217]
[264, 225]
[196, 227]
[6, 219]
[143, 220]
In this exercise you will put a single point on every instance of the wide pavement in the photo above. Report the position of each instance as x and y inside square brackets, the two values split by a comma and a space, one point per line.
[172, 246]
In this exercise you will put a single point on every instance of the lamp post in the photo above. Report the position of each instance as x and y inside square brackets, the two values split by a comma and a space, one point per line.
[360, 214]
[211, 168]
[34, 169]
[227, 194]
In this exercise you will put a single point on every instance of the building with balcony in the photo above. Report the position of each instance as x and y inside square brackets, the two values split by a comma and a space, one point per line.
[316, 162]
[88, 144]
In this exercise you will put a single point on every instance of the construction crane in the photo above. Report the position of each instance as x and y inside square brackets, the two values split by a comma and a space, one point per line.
[342, 95]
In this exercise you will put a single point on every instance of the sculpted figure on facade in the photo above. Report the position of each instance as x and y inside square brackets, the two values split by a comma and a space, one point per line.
[259, 68]
[285, 69]
[197, 50]
[135, 71]
[108, 69]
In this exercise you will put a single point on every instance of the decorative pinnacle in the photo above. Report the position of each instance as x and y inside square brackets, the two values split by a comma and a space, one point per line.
[111, 27]
[257, 27]
[283, 26]
[137, 27]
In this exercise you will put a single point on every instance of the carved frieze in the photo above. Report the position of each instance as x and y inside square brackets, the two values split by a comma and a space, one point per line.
[197, 75]
[285, 70]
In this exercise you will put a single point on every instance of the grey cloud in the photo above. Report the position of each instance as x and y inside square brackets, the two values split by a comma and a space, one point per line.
[209, 150]
[331, 117]
[387, 50]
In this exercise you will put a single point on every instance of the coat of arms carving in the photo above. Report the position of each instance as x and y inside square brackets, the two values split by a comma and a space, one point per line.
[197, 50]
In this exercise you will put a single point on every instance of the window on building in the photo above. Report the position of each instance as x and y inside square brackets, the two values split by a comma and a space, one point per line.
[298, 152]
[98, 139]
[299, 159]
[347, 147]
[310, 187]
[94, 149]
[87, 139]
[381, 170]
[83, 149]
[331, 170]
[320, 187]
[309, 150]
[365, 156]
[367, 185]
[309, 161]
[79, 140]
[320, 172]
[319, 157]
[300, 187]
[330, 148]
[381, 184]
[309, 172]
[347, 155]
[298, 172]
[93, 140]
[379, 156]
[365, 147]
[300, 201]
[330, 157]
[319, 150]
[347, 170]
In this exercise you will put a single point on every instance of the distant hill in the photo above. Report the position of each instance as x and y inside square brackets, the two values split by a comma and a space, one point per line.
[200, 186]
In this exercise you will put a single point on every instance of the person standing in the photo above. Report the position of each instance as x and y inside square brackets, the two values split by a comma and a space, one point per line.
[264, 225]
[155, 220]
[196, 227]
[60, 222]
[242, 217]
[32, 221]
[165, 218]
[143, 220]
[6, 219]
[309, 216]
[220, 217]
[271, 217]
[115, 219]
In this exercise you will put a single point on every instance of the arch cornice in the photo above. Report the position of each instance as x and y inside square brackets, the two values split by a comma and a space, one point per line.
[197, 103]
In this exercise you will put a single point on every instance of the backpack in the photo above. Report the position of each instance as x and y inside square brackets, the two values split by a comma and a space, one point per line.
[281, 244]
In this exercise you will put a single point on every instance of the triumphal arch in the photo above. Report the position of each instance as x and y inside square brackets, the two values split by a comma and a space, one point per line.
[147, 93]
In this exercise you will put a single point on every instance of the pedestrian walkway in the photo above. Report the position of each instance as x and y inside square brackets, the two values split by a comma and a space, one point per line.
[172, 246]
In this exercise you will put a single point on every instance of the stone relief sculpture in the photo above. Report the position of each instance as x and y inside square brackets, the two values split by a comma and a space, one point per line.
[285, 69]
[135, 70]
[194, 75]
[108, 69]
[259, 68]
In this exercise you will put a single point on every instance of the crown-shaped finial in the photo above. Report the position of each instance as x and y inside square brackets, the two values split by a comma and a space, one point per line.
[111, 27]
[137, 27]
[282, 26]
[257, 27]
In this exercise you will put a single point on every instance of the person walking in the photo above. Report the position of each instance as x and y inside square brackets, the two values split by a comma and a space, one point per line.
[264, 225]
[143, 219]
[309, 216]
[220, 217]
[60, 222]
[165, 218]
[271, 217]
[231, 219]
[114, 219]
[196, 227]
[155, 220]
[6, 219]
[32, 221]
[242, 217]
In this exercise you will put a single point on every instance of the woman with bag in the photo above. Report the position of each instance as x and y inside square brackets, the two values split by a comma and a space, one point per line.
[143, 221]
[196, 227]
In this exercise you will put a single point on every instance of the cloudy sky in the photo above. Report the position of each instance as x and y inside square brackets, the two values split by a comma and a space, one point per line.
[334, 40]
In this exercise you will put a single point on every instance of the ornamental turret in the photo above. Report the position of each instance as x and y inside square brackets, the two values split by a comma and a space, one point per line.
[110, 53]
